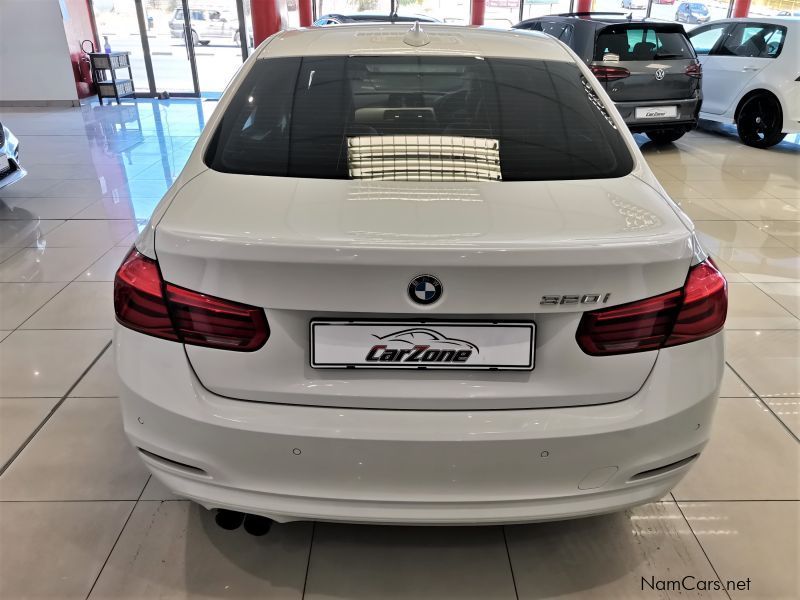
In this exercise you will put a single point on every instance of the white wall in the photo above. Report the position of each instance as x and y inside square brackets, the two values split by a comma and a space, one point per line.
[35, 65]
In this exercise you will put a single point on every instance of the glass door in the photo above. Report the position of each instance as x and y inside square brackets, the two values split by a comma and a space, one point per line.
[172, 49]
[219, 41]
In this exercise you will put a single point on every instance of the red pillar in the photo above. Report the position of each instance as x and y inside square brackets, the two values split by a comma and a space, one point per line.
[478, 11]
[266, 19]
[740, 8]
[304, 6]
[583, 6]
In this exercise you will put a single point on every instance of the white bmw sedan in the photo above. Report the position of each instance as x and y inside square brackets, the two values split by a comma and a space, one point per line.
[418, 277]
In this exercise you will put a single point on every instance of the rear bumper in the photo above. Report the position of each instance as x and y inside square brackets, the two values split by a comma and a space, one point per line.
[687, 114]
[355, 465]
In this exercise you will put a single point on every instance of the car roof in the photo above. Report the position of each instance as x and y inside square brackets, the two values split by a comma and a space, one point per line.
[791, 21]
[379, 17]
[602, 21]
[387, 38]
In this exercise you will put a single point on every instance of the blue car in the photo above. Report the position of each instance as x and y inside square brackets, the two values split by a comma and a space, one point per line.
[692, 12]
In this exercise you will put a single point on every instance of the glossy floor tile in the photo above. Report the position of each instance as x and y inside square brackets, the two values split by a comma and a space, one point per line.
[749, 307]
[759, 541]
[19, 418]
[80, 516]
[612, 556]
[56, 549]
[81, 453]
[174, 550]
[46, 363]
[746, 434]
[408, 562]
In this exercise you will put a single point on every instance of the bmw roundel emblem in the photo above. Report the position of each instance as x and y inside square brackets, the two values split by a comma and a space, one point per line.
[425, 289]
[660, 74]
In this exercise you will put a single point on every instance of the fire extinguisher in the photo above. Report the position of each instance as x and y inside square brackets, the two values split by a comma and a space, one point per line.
[85, 64]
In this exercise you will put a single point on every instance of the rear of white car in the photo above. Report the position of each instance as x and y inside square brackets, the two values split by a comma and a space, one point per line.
[418, 277]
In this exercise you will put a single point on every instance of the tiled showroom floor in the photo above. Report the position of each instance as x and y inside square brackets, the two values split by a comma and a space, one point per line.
[80, 517]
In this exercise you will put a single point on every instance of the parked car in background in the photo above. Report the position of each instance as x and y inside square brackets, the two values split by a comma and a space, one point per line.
[634, 4]
[649, 69]
[10, 169]
[751, 76]
[206, 24]
[397, 284]
[663, 1]
[692, 12]
[337, 18]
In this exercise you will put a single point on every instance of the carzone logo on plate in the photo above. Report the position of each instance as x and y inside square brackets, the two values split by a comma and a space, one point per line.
[420, 345]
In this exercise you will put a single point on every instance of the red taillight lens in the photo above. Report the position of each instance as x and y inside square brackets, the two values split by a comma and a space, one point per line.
[208, 321]
[694, 70]
[705, 305]
[691, 313]
[139, 297]
[604, 73]
[145, 303]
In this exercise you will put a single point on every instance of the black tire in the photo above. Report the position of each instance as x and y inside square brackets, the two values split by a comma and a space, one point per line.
[195, 39]
[760, 121]
[665, 136]
[236, 37]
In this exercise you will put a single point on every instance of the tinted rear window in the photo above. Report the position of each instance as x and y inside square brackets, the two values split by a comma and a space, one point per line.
[634, 43]
[418, 118]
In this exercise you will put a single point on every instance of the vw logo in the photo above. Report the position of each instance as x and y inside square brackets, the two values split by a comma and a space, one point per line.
[660, 74]
[425, 289]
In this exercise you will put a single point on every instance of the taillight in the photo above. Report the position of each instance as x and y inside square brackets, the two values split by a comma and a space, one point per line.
[691, 313]
[145, 303]
[694, 70]
[604, 73]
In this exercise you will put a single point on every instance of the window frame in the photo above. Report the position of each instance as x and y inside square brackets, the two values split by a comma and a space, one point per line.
[734, 26]
[726, 28]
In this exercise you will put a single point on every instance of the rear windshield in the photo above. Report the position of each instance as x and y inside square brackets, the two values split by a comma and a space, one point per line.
[625, 42]
[418, 119]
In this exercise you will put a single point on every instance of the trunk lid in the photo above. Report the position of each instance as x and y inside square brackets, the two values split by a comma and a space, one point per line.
[329, 249]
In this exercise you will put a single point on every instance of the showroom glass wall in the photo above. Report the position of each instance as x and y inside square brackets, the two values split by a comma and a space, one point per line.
[194, 47]
[182, 47]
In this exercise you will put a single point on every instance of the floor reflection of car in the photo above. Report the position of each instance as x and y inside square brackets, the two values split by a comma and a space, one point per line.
[692, 12]
[10, 169]
[750, 69]
[206, 24]
[19, 227]
[337, 19]
[649, 69]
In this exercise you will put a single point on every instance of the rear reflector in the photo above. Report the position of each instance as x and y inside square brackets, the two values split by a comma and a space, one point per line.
[695, 311]
[145, 303]
[604, 73]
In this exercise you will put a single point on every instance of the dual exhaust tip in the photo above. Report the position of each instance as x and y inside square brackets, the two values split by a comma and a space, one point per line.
[231, 520]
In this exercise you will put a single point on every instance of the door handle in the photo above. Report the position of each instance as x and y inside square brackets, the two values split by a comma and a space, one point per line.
[749, 68]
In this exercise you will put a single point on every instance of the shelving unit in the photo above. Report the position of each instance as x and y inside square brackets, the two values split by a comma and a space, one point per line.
[115, 87]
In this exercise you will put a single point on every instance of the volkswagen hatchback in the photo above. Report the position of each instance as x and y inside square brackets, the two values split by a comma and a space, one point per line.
[649, 68]
[418, 277]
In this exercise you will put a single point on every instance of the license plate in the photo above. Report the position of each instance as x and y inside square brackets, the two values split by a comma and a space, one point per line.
[656, 112]
[4, 166]
[499, 345]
